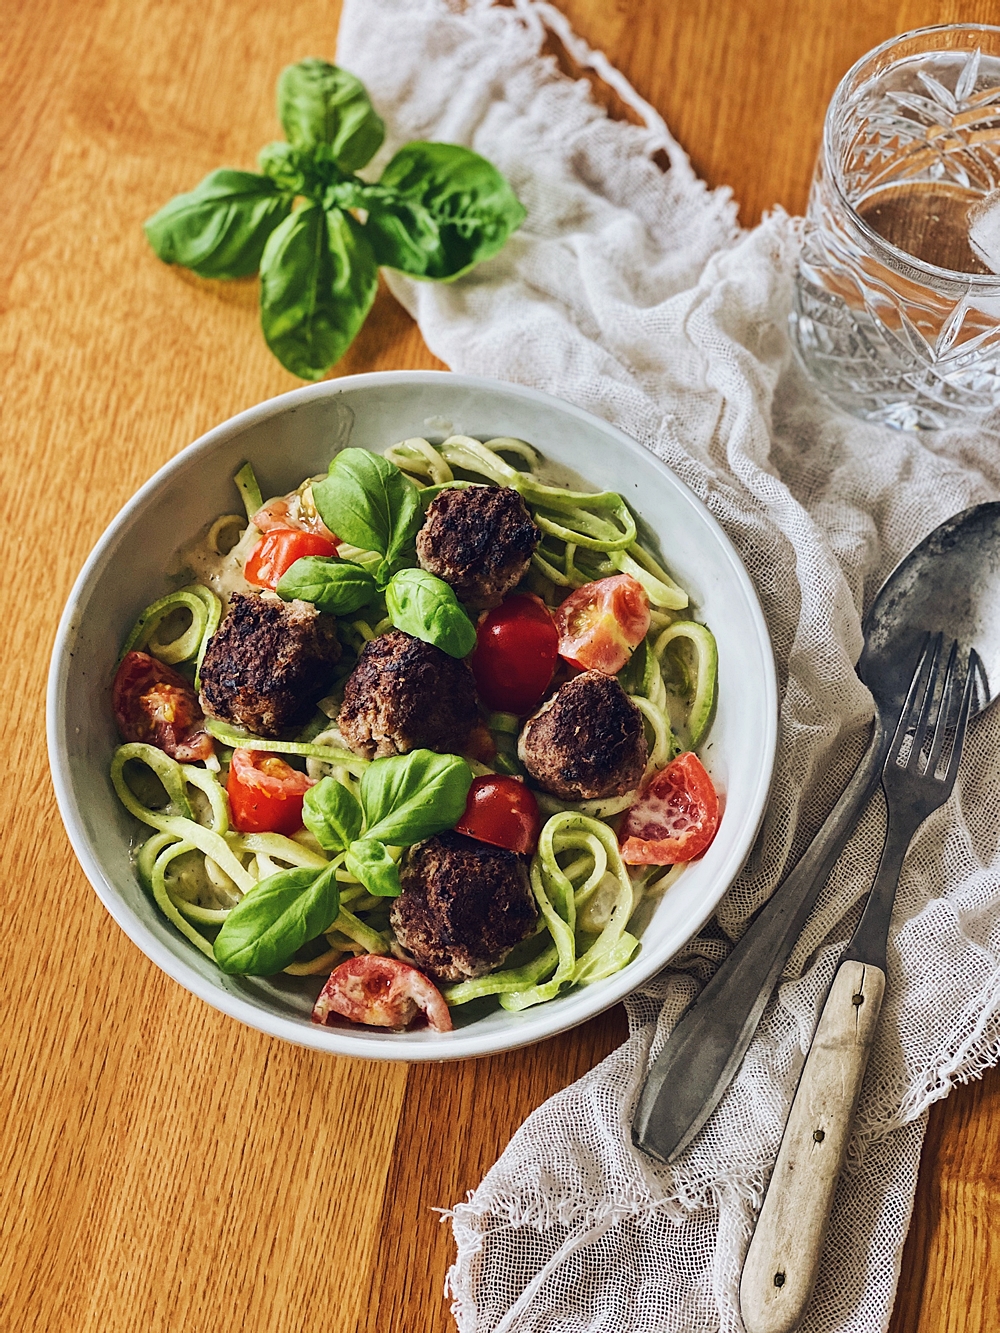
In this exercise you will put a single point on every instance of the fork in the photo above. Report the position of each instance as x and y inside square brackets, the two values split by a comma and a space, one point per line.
[783, 1258]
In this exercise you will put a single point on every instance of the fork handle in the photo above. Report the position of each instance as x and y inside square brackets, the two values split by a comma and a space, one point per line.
[782, 1262]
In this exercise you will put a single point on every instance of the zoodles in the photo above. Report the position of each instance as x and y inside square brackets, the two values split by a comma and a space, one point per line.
[201, 871]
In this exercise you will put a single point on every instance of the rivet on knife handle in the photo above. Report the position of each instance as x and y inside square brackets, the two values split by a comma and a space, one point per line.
[783, 1258]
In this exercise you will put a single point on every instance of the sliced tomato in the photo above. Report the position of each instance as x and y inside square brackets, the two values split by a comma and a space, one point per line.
[278, 550]
[381, 992]
[502, 812]
[265, 793]
[156, 705]
[602, 623]
[675, 817]
[281, 513]
[517, 648]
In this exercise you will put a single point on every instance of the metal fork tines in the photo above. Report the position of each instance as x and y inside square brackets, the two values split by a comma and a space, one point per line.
[918, 777]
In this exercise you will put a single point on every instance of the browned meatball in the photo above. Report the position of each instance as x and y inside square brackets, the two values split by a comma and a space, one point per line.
[479, 540]
[268, 663]
[587, 742]
[463, 907]
[405, 695]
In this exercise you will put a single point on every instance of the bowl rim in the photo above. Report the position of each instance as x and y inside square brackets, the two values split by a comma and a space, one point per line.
[463, 1043]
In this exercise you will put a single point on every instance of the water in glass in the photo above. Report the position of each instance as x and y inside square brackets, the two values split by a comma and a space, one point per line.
[897, 299]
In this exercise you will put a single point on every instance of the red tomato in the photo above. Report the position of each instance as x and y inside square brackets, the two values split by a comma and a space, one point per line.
[502, 812]
[674, 819]
[265, 793]
[382, 992]
[278, 550]
[517, 648]
[156, 705]
[601, 623]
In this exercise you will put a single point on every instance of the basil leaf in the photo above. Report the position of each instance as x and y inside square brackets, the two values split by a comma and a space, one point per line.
[374, 867]
[332, 814]
[368, 502]
[438, 210]
[317, 282]
[426, 607]
[318, 103]
[337, 587]
[263, 931]
[220, 228]
[409, 797]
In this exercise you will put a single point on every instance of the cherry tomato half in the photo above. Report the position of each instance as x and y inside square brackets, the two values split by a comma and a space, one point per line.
[382, 992]
[517, 648]
[156, 705]
[601, 623]
[502, 812]
[278, 550]
[674, 819]
[265, 793]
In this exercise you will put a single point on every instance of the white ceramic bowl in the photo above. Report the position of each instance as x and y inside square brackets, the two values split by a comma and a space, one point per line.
[286, 439]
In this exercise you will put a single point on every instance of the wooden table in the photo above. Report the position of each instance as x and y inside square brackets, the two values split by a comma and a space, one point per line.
[165, 1168]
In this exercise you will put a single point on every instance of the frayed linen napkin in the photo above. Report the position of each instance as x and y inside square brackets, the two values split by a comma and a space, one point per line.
[631, 291]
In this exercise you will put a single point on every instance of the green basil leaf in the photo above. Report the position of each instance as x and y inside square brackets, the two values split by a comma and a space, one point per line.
[317, 282]
[426, 607]
[220, 228]
[438, 209]
[332, 814]
[285, 165]
[409, 797]
[337, 587]
[374, 867]
[368, 502]
[318, 103]
[263, 931]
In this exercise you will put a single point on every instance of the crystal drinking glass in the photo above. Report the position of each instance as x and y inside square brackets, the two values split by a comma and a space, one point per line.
[897, 296]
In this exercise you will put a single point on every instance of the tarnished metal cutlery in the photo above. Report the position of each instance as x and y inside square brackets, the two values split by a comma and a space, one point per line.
[949, 584]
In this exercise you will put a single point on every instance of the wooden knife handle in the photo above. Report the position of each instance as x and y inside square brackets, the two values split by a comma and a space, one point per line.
[781, 1264]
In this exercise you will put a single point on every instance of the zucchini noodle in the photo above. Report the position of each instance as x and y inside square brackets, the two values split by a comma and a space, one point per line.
[243, 740]
[225, 524]
[205, 611]
[559, 892]
[702, 689]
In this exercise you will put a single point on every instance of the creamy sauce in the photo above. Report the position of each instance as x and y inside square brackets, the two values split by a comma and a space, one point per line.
[200, 562]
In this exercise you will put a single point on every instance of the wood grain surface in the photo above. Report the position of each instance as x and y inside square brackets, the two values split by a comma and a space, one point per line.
[163, 1168]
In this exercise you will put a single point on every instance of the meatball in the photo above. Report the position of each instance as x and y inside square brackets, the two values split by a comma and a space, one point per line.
[587, 742]
[404, 695]
[268, 663]
[479, 540]
[463, 907]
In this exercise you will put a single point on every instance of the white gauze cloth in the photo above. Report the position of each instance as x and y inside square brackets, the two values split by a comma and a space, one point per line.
[630, 291]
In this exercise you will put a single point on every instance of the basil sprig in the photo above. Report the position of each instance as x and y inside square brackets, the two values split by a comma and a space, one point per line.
[436, 211]
[402, 800]
[368, 502]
